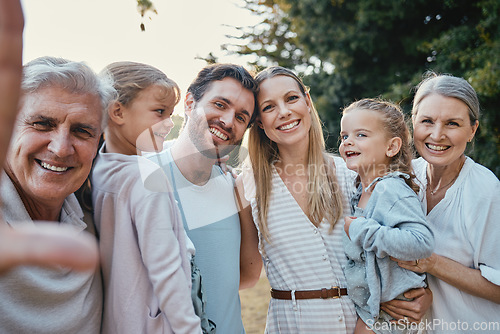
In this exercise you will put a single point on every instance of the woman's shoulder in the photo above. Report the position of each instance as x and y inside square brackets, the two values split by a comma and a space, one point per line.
[480, 170]
[419, 168]
[479, 177]
[246, 182]
[418, 165]
[341, 170]
[335, 160]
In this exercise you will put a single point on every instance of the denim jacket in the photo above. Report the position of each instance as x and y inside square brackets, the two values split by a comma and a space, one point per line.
[392, 224]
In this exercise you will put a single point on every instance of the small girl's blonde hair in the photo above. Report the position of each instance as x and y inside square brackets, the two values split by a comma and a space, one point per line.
[395, 125]
[129, 78]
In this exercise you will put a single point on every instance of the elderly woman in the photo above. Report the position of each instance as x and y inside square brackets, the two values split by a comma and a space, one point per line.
[54, 142]
[462, 202]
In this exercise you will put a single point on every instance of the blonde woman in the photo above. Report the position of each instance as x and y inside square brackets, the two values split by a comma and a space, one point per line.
[293, 196]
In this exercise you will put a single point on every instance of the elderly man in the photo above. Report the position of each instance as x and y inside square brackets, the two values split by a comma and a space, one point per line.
[36, 245]
[55, 139]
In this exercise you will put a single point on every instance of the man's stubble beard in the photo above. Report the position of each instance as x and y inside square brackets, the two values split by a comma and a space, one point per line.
[197, 135]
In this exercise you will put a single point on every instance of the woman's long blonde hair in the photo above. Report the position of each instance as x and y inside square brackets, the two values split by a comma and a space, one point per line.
[324, 193]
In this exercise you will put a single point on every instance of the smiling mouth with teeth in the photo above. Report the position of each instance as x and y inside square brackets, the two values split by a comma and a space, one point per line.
[52, 168]
[288, 126]
[218, 134]
[351, 153]
[437, 147]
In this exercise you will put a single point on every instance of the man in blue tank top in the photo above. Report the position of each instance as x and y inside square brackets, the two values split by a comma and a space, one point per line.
[219, 107]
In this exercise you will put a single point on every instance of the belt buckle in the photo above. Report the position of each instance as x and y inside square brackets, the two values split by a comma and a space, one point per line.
[338, 292]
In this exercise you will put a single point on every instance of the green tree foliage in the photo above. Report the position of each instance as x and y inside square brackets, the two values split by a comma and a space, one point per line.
[144, 7]
[178, 122]
[350, 49]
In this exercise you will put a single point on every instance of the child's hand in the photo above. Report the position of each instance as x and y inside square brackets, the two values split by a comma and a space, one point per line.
[347, 222]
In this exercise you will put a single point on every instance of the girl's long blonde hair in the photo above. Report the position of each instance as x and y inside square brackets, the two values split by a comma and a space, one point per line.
[324, 193]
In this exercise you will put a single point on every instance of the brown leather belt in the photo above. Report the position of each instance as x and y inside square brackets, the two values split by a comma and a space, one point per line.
[334, 292]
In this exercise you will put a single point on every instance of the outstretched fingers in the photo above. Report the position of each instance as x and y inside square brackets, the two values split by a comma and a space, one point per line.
[47, 245]
[11, 50]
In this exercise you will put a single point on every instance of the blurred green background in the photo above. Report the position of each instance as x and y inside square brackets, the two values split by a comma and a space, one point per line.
[351, 49]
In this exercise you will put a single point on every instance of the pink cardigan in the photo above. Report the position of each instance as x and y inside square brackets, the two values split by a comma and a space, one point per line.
[146, 269]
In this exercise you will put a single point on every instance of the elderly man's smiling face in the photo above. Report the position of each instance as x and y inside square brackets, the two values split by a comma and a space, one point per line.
[54, 142]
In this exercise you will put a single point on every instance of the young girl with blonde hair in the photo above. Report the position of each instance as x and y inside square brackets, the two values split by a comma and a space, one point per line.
[143, 245]
[387, 217]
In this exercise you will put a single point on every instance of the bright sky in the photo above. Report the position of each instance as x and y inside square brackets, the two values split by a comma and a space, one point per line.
[103, 31]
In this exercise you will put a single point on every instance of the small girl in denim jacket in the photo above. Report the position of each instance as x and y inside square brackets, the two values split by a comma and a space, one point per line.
[387, 218]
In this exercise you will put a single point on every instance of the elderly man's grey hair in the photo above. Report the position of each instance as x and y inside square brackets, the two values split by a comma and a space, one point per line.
[75, 77]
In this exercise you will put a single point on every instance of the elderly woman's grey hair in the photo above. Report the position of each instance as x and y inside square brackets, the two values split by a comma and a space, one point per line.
[448, 86]
[75, 77]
